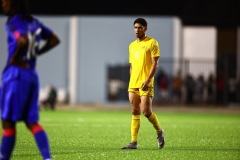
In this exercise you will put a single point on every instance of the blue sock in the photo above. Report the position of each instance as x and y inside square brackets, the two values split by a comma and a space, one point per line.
[42, 142]
[8, 143]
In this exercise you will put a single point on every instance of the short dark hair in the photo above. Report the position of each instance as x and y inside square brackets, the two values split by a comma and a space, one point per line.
[142, 21]
[21, 7]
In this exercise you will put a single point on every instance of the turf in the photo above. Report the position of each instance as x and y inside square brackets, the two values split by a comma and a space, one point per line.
[99, 135]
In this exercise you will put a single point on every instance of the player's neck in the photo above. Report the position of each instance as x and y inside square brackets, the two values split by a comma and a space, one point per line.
[141, 38]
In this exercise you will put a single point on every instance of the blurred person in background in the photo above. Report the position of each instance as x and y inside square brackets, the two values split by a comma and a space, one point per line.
[211, 87]
[144, 53]
[177, 84]
[20, 82]
[199, 89]
[51, 99]
[189, 84]
[220, 87]
[163, 84]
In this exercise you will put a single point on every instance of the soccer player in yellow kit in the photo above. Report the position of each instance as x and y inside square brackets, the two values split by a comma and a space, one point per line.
[144, 54]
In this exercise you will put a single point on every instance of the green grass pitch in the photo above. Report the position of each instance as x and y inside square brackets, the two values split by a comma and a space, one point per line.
[99, 135]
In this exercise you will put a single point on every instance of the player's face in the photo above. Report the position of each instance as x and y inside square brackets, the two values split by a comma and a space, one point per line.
[139, 30]
[6, 5]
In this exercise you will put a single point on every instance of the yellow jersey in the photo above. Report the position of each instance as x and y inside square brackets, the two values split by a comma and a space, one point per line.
[140, 58]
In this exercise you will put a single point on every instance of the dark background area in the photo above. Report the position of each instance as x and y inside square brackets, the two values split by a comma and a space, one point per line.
[220, 13]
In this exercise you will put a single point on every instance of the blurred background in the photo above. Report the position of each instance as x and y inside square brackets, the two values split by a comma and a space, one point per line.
[199, 43]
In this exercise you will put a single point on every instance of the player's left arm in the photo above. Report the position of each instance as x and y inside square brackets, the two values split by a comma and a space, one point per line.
[152, 72]
[51, 42]
[154, 68]
[155, 54]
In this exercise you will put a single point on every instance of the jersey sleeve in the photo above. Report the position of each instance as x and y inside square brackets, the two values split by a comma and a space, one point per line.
[14, 29]
[46, 32]
[155, 49]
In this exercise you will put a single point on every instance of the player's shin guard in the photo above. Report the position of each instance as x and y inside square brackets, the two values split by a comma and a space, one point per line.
[42, 141]
[8, 143]
[135, 125]
[154, 120]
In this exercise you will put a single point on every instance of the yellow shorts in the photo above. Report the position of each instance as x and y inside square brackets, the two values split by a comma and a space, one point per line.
[140, 92]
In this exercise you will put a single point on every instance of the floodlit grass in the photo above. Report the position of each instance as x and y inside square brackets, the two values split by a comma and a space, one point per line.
[99, 135]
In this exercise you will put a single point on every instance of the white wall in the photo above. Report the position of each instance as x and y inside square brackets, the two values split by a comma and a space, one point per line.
[199, 43]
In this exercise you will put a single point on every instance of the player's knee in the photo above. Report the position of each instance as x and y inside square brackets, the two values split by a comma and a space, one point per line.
[136, 111]
[147, 114]
[8, 124]
[35, 128]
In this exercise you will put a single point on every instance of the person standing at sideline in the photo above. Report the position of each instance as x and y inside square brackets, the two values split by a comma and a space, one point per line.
[144, 53]
[20, 82]
[51, 99]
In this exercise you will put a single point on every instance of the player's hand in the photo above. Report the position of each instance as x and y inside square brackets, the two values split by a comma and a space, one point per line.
[144, 86]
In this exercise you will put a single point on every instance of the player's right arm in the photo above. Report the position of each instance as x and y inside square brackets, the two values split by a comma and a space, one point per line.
[130, 69]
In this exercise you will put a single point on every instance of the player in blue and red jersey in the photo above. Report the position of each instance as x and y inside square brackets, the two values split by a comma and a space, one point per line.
[20, 82]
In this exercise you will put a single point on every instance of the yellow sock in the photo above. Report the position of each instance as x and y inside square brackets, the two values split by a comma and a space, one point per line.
[154, 120]
[135, 125]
